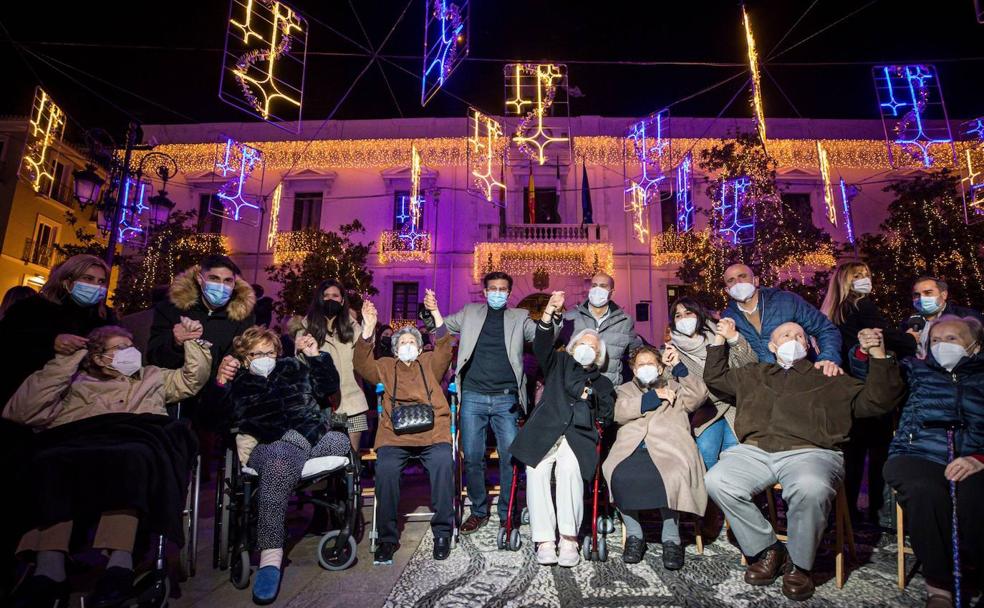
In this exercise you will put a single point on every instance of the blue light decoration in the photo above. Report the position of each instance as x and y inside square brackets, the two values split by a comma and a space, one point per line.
[650, 141]
[973, 129]
[736, 217]
[685, 210]
[847, 195]
[445, 44]
[913, 113]
[238, 162]
[265, 61]
[131, 230]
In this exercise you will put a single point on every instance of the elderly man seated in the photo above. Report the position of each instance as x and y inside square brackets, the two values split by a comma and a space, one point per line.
[791, 421]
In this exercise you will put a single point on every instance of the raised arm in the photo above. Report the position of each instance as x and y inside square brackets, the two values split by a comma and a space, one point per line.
[364, 360]
[816, 324]
[545, 334]
[884, 388]
[440, 357]
[39, 399]
[186, 382]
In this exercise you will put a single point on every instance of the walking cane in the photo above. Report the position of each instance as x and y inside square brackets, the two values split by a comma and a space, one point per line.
[951, 426]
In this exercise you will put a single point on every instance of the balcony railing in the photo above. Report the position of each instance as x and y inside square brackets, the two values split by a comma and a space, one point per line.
[39, 252]
[544, 233]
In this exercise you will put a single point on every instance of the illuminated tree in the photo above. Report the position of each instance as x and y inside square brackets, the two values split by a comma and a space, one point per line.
[322, 255]
[925, 233]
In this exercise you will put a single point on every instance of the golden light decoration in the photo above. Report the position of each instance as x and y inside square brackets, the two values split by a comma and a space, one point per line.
[671, 247]
[291, 246]
[565, 259]
[753, 65]
[821, 259]
[398, 324]
[202, 243]
[397, 246]
[972, 188]
[274, 214]
[640, 215]
[415, 197]
[828, 187]
[484, 144]
[45, 129]
[547, 76]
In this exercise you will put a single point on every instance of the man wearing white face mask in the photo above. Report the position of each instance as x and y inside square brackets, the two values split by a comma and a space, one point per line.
[758, 311]
[791, 422]
[600, 313]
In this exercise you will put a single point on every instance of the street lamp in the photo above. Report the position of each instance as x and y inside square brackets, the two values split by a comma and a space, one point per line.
[88, 185]
[164, 167]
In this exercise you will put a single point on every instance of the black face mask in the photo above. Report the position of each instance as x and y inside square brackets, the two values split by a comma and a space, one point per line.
[331, 308]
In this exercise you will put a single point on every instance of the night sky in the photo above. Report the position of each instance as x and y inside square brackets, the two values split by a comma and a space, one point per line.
[170, 53]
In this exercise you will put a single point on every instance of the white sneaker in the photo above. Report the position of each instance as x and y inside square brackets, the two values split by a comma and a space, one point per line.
[546, 553]
[569, 556]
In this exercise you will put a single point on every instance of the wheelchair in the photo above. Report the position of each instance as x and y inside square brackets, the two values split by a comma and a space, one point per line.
[329, 482]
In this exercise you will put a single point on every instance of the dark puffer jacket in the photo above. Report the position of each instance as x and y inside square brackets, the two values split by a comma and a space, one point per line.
[936, 394]
[287, 399]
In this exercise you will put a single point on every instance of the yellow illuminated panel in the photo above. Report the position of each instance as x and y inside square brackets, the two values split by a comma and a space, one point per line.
[530, 135]
[828, 188]
[415, 197]
[973, 192]
[561, 259]
[640, 216]
[753, 65]
[397, 246]
[46, 127]
[483, 142]
[273, 40]
[274, 214]
[516, 104]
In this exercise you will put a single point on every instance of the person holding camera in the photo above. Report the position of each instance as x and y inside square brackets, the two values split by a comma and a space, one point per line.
[930, 298]
[415, 424]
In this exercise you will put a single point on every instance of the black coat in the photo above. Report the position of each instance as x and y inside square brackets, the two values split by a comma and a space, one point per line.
[287, 399]
[561, 411]
[864, 314]
[28, 331]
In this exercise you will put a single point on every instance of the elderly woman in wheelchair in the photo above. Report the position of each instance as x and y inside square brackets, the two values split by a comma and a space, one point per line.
[273, 402]
[104, 448]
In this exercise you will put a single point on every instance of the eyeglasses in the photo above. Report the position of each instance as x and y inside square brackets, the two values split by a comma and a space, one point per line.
[272, 354]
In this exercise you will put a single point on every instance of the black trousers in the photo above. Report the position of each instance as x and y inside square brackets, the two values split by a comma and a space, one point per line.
[390, 462]
[924, 494]
[869, 438]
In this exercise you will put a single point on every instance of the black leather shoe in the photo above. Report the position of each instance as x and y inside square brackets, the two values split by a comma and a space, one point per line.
[384, 554]
[635, 548]
[672, 556]
[113, 587]
[474, 524]
[442, 547]
[41, 592]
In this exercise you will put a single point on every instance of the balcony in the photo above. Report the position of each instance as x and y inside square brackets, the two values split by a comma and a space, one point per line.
[543, 233]
[41, 253]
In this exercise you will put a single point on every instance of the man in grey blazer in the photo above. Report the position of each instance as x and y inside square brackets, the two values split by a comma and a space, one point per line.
[492, 385]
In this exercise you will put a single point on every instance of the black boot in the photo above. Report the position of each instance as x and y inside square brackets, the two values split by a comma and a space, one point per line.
[672, 556]
[635, 548]
[114, 586]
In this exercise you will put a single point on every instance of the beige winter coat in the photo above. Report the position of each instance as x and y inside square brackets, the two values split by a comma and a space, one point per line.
[60, 393]
[353, 399]
[666, 432]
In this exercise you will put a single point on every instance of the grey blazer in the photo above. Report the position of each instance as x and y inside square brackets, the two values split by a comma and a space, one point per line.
[518, 328]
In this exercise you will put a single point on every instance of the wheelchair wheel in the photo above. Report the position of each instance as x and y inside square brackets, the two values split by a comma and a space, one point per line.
[333, 557]
[515, 540]
[153, 591]
[602, 554]
[586, 548]
[524, 516]
[223, 512]
[501, 541]
[606, 525]
[239, 570]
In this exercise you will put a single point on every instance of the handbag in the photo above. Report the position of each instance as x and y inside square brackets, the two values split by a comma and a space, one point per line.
[409, 418]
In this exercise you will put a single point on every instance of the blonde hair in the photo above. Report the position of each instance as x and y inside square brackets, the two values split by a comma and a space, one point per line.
[58, 286]
[840, 291]
[245, 342]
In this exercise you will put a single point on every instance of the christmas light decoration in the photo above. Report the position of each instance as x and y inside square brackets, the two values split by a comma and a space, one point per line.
[736, 216]
[805, 265]
[445, 44]
[404, 246]
[828, 187]
[753, 64]
[909, 96]
[290, 246]
[640, 215]
[238, 161]
[565, 259]
[266, 54]
[537, 85]
[485, 144]
[973, 129]
[972, 189]
[847, 195]
[685, 210]
[44, 130]
[160, 249]
[274, 214]
[416, 199]
[672, 247]
[131, 229]
[649, 141]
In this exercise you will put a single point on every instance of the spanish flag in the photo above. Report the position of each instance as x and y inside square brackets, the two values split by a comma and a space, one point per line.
[531, 199]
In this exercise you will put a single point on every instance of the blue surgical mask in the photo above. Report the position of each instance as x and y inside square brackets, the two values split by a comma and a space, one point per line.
[87, 294]
[217, 294]
[928, 304]
[497, 299]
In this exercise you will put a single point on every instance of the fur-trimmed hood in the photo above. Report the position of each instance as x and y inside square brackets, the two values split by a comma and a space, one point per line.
[185, 293]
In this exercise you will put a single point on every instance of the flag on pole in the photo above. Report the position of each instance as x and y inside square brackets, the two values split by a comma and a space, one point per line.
[587, 214]
[531, 198]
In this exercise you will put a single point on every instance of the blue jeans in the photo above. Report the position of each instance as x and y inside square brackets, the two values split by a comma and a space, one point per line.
[477, 412]
[715, 439]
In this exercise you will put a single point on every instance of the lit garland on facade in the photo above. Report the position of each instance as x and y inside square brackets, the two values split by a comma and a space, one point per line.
[45, 129]
[595, 149]
[909, 96]
[202, 243]
[485, 143]
[548, 77]
[972, 188]
[415, 197]
[805, 264]
[828, 187]
[290, 246]
[398, 246]
[672, 247]
[274, 214]
[753, 64]
[565, 259]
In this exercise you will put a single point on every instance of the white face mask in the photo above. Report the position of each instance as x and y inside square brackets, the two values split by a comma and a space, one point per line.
[789, 353]
[647, 374]
[741, 291]
[584, 354]
[262, 366]
[127, 361]
[862, 285]
[598, 296]
[407, 352]
[686, 326]
[948, 354]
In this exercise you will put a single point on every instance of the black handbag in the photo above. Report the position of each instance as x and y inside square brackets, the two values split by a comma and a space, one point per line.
[409, 418]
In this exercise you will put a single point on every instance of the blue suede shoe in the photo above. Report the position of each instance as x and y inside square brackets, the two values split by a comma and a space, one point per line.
[266, 585]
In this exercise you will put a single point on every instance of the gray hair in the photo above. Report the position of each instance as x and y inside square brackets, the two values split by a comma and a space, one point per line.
[973, 325]
[407, 330]
[602, 349]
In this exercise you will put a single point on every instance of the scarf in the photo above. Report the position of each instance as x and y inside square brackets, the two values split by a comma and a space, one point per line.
[695, 346]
